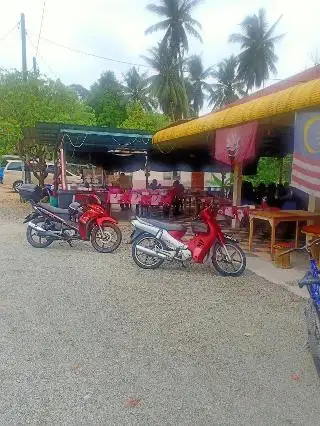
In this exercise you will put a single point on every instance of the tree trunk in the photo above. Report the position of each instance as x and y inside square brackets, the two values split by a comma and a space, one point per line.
[41, 180]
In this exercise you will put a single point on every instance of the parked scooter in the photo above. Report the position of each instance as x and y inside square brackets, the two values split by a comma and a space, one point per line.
[155, 241]
[79, 222]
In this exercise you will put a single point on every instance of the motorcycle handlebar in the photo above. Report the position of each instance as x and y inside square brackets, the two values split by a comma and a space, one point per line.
[306, 247]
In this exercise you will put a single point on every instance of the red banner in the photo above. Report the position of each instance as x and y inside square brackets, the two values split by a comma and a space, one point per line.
[236, 144]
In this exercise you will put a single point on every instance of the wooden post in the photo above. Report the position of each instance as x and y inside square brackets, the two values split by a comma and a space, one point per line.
[237, 186]
[313, 206]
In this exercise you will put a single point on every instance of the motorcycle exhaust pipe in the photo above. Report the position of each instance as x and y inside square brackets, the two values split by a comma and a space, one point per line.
[145, 250]
[43, 232]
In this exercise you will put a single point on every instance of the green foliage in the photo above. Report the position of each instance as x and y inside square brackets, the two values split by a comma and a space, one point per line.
[177, 24]
[137, 89]
[107, 83]
[138, 118]
[81, 91]
[228, 87]
[23, 103]
[257, 58]
[196, 83]
[166, 84]
[10, 133]
[269, 170]
[112, 110]
[107, 99]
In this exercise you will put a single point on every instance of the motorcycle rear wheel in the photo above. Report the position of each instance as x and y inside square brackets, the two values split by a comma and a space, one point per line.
[143, 260]
[107, 242]
[224, 267]
[42, 242]
[313, 328]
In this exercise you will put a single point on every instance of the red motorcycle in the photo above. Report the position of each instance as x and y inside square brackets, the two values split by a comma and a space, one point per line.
[79, 222]
[155, 241]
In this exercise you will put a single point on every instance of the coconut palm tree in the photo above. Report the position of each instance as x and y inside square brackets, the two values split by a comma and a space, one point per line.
[257, 58]
[177, 24]
[166, 85]
[228, 87]
[196, 84]
[137, 89]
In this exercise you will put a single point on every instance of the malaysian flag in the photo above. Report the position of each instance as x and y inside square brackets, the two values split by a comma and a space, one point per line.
[306, 156]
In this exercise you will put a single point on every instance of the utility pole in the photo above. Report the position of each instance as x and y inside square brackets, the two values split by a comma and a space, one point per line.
[27, 173]
[23, 46]
[35, 68]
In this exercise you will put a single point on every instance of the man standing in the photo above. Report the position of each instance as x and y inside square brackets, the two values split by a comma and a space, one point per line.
[178, 195]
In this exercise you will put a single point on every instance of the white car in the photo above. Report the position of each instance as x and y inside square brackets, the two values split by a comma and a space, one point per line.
[13, 175]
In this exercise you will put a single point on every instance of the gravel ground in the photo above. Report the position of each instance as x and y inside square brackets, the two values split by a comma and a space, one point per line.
[90, 339]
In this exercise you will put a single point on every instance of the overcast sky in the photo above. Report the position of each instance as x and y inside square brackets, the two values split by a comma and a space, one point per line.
[115, 29]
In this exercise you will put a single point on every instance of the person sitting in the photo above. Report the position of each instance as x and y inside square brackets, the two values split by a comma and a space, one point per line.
[247, 194]
[294, 199]
[124, 184]
[260, 193]
[154, 185]
[271, 195]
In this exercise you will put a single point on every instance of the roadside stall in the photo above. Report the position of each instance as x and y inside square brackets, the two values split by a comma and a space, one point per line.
[261, 125]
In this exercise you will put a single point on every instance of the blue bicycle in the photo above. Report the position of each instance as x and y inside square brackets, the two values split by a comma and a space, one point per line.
[312, 310]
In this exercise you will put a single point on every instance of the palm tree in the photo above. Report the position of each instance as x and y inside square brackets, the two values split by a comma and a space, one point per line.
[166, 84]
[196, 84]
[228, 86]
[257, 58]
[177, 24]
[137, 89]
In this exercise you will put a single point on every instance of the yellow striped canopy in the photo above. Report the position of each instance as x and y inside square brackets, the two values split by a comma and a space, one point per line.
[302, 96]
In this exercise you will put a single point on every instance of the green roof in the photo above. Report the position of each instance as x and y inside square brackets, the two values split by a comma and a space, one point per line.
[90, 138]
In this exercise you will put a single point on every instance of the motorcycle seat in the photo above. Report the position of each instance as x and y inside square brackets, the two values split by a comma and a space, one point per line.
[165, 225]
[54, 210]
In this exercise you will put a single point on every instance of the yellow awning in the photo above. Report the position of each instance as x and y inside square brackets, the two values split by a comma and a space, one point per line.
[302, 96]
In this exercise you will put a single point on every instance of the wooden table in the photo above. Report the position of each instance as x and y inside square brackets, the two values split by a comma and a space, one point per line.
[276, 217]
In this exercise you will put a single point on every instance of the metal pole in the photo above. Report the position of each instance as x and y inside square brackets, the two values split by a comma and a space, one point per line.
[27, 172]
[23, 46]
[34, 64]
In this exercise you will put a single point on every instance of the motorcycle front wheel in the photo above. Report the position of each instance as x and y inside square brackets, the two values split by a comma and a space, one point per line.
[107, 238]
[33, 237]
[229, 260]
[144, 260]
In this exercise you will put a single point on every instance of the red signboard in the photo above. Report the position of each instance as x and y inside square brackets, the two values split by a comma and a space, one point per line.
[236, 144]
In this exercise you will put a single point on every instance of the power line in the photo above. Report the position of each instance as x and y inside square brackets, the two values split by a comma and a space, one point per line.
[40, 30]
[9, 32]
[43, 60]
[81, 52]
